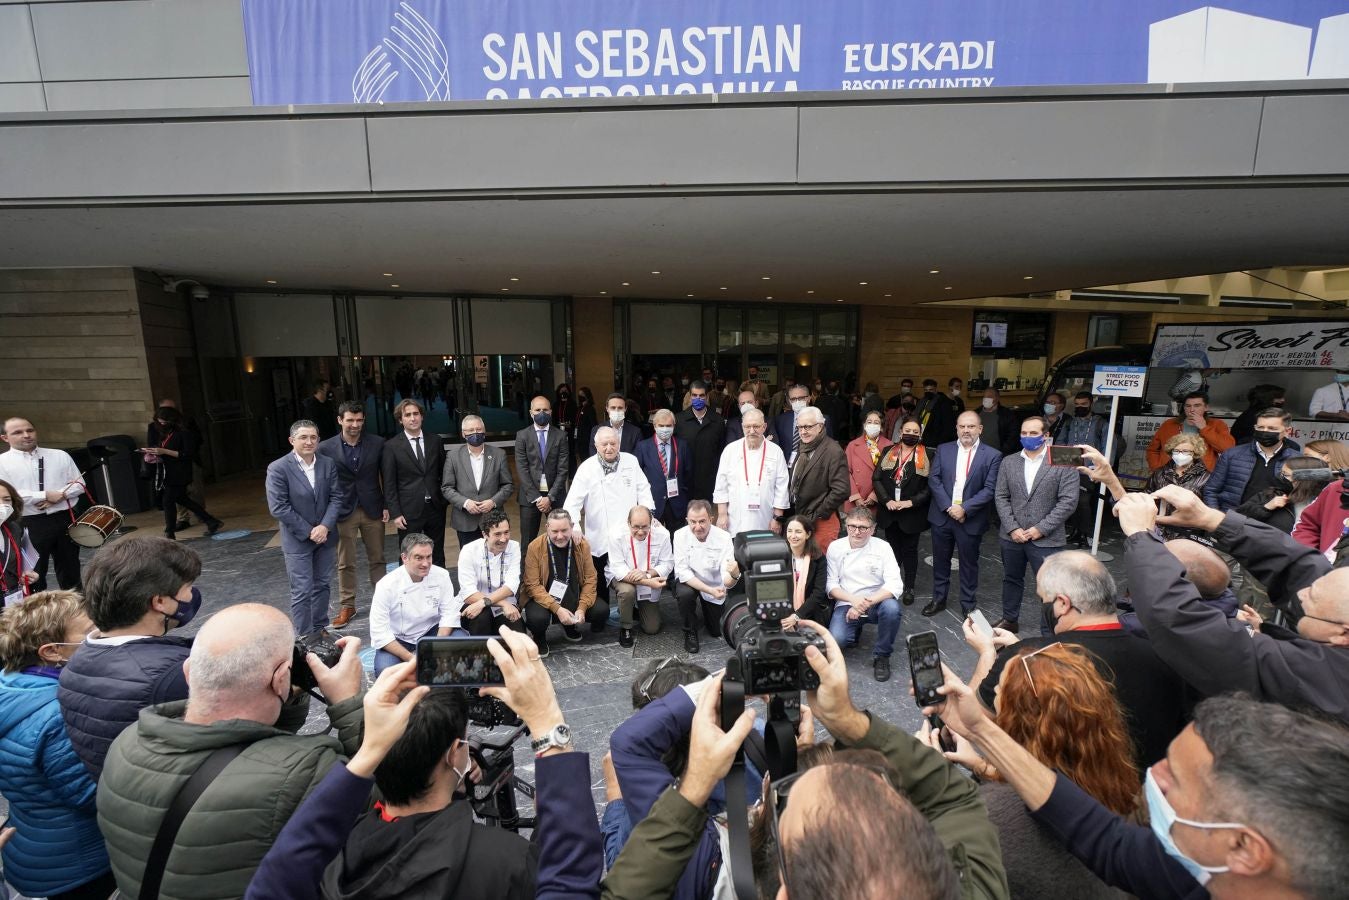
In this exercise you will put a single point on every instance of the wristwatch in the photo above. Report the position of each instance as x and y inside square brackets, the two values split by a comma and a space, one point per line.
[559, 738]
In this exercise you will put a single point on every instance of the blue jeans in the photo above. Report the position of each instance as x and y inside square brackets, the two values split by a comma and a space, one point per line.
[615, 826]
[886, 614]
[1014, 559]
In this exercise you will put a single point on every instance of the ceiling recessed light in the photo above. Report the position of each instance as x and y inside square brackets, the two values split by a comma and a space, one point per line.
[765, 278]
[862, 283]
[887, 295]
[688, 295]
[768, 298]
[1027, 277]
[840, 300]
[394, 285]
[604, 292]
[654, 272]
[810, 292]
[513, 278]
[947, 288]
[934, 271]
[625, 284]
[271, 281]
[721, 289]
[388, 274]
[505, 289]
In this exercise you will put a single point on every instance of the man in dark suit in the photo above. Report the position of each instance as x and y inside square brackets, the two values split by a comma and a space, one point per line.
[475, 481]
[783, 427]
[704, 430]
[937, 415]
[357, 457]
[962, 481]
[667, 463]
[837, 411]
[411, 467]
[319, 408]
[542, 459]
[304, 497]
[1034, 501]
[629, 434]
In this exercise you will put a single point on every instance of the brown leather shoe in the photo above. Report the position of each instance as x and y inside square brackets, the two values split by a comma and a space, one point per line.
[346, 615]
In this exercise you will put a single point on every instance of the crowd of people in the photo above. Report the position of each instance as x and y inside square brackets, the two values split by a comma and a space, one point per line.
[1187, 737]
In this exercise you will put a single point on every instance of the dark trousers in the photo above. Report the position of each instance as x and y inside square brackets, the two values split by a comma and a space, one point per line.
[175, 495]
[432, 524]
[1083, 519]
[1014, 559]
[310, 570]
[671, 519]
[47, 531]
[100, 888]
[487, 625]
[601, 582]
[538, 619]
[689, 600]
[905, 547]
[468, 537]
[946, 537]
[530, 521]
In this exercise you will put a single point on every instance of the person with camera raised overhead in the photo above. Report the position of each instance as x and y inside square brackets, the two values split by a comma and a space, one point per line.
[415, 600]
[230, 753]
[638, 571]
[489, 578]
[558, 583]
[705, 570]
[865, 584]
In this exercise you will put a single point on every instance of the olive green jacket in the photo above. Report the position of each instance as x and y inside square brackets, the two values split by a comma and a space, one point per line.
[662, 844]
[235, 821]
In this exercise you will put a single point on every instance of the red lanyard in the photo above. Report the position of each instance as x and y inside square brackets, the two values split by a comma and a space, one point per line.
[674, 449]
[18, 562]
[904, 461]
[633, 547]
[763, 458]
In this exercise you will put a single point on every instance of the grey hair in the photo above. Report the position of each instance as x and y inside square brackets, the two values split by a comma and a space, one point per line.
[301, 423]
[414, 539]
[860, 514]
[810, 411]
[661, 415]
[602, 432]
[558, 514]
[1304, 811]
[752, 414]
[240, 670]
[1080, 577]
[471, 417]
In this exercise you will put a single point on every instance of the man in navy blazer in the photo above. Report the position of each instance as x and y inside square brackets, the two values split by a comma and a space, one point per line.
[784, 425]
[959, 513]
[304, 497]
[357, 455]
[677, 466]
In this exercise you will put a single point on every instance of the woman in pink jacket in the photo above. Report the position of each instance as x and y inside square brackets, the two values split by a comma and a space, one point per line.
[863, 452]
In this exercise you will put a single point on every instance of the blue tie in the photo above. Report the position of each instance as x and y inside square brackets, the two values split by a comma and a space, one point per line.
[543, 444]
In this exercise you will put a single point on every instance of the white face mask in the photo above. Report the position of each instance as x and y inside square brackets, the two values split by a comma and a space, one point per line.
[955, 392]
[746, 407]
[1182, 459]
[5, 512]
[988, 402]
[872, 429]
[616, 417]
[798, 405]
[664, 431]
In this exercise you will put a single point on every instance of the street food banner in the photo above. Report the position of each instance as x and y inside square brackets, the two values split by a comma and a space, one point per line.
[376, 51]
[1262, 345]
[1138, 432]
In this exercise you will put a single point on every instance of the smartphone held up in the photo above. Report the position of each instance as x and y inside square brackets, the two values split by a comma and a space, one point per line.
[462, 662]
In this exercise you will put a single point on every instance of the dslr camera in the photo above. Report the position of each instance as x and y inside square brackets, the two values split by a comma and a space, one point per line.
[771, 660]
[322, 643]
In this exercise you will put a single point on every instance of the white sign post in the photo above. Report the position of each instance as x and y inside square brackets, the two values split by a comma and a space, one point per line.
[1113, 382]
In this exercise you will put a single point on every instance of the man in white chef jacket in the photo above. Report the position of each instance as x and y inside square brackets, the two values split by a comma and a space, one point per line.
[605, 487]
[705, 571]
[752, 488]
[640, 562]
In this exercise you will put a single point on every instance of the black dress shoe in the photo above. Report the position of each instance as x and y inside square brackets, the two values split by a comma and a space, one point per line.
[880, 667]
[625, 637]
[1008, 625]
[691, 640]
[572, 632]
[214, 527]
[907, 598]
[182, 525]
[934, 607]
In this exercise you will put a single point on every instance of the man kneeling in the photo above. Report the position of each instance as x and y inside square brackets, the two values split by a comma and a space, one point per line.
[640, 562]
[558, 583]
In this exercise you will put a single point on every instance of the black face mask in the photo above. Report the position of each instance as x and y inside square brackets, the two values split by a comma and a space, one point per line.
[1048, 619]
[1268, 438]
[1081, 411]
[909, 440]
[1282, 485]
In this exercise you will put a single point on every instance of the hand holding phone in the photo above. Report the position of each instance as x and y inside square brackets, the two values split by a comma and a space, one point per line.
[925, 667]
[1065, 456]
[981, 624]
[463, 662]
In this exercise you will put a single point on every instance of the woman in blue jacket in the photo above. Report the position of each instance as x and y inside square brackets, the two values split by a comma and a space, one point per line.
[58, 851]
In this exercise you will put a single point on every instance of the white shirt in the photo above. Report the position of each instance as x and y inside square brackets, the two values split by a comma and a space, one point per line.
[622, 555]
[483, 571]
[405, 610]
[307, 468]
[740, 493]
[964, 460]
[707, 560]
[862, 571]
[1031, 465]
[475, 463]
[59, 473]
[1333, 397]
[605, 499]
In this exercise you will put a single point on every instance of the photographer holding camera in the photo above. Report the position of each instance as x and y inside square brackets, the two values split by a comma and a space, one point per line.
[842, 830]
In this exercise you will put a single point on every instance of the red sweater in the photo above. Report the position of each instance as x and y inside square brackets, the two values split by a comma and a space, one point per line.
[1322, 523]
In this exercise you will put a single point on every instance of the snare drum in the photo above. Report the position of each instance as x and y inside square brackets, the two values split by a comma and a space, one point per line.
[94, 527]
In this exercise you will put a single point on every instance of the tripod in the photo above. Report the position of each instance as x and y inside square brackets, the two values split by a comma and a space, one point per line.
[494, 794]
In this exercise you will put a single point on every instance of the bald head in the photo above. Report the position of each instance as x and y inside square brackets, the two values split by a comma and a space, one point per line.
[234, 665]
[1203, 568]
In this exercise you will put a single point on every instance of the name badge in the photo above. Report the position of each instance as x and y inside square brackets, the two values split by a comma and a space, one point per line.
[956, 495]
[672, 487]
[898, 491]
[543, 484]
[14, 599]
[753, 506]
[558, 589]
[644, 592]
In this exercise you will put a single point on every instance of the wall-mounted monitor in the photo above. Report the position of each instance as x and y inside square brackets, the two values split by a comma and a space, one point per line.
[989, 335]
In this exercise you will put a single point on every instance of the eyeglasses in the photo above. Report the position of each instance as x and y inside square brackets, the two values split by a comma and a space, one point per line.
[644, 689]
[808, 427]
[1025, 664]
[858, 528]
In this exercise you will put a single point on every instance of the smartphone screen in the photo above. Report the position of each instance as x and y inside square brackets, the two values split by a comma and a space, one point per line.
[1065, 456]
[463, 662]
[925, 666]
[981, 624]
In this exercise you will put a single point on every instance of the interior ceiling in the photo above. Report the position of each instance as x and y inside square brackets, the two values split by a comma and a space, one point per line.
[787, 247]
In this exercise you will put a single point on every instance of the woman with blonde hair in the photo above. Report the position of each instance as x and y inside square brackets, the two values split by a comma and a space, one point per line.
[1184, 466]
[57, 851]
[1054, 702]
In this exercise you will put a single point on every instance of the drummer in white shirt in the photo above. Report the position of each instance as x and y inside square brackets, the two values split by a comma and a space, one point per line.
[752, 487]
[705, 571]
[414, 601]
[864, 582]
[640, 562]
[489, 578]
[605, 487]
[49, 483]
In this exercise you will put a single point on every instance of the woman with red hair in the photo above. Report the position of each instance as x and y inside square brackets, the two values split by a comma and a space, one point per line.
[1054, 702]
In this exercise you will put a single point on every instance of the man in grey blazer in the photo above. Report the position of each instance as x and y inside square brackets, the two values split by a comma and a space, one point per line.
[1034, 500]
[542, 459]
[476, 480]
[304, 498]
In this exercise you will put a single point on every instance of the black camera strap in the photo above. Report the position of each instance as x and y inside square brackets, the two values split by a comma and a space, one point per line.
[740, 865]
[182, 804]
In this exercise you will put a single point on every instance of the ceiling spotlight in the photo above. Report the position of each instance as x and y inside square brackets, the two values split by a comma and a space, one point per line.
[388, 274]
[654, 272]
[394, 285]
[604, 292]
[810, 292]
[887, 295]
[840, 300]
[765, 278]
[934, 271]
[271, 281]
[862, 283]
[1027, 277]
[688, 295]
[513, 278]
[768, 298]
[721, 289]
[947, 288]
[625, 284]
[505, 289]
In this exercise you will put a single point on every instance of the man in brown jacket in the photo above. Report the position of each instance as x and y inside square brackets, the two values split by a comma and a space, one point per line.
[819, 483]
[558, 583]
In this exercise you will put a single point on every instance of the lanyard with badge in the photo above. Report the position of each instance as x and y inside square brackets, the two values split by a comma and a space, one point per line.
[752, 504]
[671, 480]
[558, 589]
[899, 473]
[16, 596]
[959, 489]
[643, 591]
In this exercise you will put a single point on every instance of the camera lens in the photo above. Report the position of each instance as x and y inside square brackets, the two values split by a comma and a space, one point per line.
[736, 621]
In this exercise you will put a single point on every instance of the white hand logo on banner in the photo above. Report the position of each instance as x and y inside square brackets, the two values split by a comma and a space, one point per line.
[416, 42]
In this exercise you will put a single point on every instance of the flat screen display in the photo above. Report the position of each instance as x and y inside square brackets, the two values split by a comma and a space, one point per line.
[990, 335]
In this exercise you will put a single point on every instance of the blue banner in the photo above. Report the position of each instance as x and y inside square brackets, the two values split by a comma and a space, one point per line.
[372, 51]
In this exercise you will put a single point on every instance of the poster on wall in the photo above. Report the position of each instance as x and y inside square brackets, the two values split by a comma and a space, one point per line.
[1262, 345]
[1138, 432]
[385, 51]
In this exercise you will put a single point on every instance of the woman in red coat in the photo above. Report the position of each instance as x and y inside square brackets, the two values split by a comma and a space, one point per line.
[863, 453]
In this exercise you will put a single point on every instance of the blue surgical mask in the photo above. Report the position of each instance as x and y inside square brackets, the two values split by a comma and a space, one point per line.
[1164, 818]
[475, 440]
[1342, 377]
[699, 403]
[1051, 409]
[185, 611]
[1032, 443]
